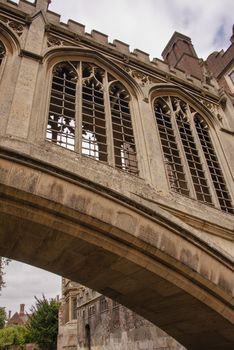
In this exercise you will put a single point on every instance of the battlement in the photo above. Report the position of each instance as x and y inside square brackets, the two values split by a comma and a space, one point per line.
[77, 30]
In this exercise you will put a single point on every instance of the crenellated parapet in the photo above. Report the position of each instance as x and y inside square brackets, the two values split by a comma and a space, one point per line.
[72, 33]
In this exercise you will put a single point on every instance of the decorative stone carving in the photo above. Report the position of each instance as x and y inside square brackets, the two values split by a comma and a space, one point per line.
[212, 107]
[142, 79]
[17, 27]
[53, 41]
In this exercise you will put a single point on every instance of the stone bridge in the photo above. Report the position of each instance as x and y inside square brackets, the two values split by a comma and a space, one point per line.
[129, 250]
[118, 217]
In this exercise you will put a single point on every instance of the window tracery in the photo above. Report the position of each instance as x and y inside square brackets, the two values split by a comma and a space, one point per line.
[81, 102]
[189, 155]
[2, 52]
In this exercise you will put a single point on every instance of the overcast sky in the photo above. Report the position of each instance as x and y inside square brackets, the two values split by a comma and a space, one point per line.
[148, 26]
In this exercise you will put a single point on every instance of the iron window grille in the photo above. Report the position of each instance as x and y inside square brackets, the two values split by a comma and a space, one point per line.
[172, 157]
[189, 156]
[103, 304]
[61, 120]
[2, 52]
[83, 96]
[124, 143]
[213, 165]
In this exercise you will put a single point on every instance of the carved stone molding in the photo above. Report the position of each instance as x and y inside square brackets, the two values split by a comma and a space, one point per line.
[17, 27]
[213, 108]
[53, 41]
[142, 79]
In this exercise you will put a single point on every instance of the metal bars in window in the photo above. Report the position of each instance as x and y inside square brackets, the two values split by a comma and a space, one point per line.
[124, 143]
[2, 52]
[170, 149]
[195, 166]
[61, 120]
[94, 142]
[82, 103]
[213, 165]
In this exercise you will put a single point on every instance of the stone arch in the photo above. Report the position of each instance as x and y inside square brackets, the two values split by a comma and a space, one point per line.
[172, 90]
[56, 55]
[146, 259]
[10, 39]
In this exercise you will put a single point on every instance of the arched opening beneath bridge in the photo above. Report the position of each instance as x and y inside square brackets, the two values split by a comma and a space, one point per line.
[143, 261]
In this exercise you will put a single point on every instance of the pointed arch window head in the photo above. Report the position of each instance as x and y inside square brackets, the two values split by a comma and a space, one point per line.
[190, 160]
[84, 97]
[2, 52]
[123, 137]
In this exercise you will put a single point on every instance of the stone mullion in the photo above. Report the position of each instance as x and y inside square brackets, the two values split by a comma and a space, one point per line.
[109, 130]
[79, 117]
[138, 110]
[184, 162]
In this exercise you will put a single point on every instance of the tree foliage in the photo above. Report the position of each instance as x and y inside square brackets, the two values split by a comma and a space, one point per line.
[15, 335]
[43, 323]
[3, 263]
[2, 317]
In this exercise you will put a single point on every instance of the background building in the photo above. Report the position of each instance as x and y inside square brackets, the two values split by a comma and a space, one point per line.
[97, 322]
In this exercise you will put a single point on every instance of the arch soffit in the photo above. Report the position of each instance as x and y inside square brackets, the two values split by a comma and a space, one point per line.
[9, 39]
[171, 90]
[57, 55]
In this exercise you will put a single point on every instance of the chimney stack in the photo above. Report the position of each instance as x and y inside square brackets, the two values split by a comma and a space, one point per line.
[22, 308]
[232, 37]
[9, 314]
[180, 53]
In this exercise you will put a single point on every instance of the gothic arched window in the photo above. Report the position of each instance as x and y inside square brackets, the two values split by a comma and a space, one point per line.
[2, 52]
[80, 108]
[190, 160]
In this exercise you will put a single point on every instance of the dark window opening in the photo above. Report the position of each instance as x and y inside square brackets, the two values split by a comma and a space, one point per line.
[124, 142]
[103, 304]
[74, 308]
[87, 337]
[190, 149]
[172, 158]
[61, 121]
[94, 142]
[2, 52]
[213, 165]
